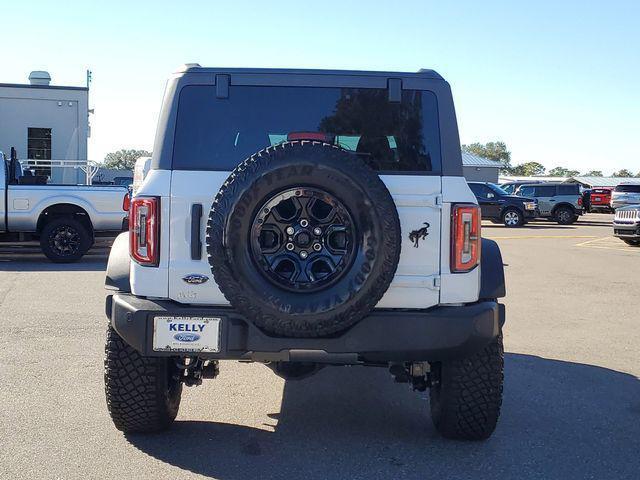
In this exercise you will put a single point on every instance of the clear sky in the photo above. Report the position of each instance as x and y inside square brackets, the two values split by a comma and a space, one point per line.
[558, 81]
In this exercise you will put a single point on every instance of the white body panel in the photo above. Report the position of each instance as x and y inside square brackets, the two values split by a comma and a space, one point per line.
[154, 281]
[25, 203]
[423, 278]
[412, 287]
[455, 288]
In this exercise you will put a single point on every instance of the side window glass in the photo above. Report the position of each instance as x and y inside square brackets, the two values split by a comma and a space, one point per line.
[567, 190]
[545, 191]
[526, 192]
[488, 193]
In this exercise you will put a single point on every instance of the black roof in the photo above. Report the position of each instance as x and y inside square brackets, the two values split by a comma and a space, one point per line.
[542, 184]
[196, 68]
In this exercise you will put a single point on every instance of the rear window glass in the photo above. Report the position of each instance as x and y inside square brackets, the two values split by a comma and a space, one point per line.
[219, 133]
[628, 188]
[568, 189]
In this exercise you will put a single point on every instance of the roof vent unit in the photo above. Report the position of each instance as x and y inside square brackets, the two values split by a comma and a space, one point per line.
[39, 77]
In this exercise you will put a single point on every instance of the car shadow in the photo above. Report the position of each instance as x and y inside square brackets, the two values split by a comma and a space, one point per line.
[532, 226]
[559, 420]
[28, 257]
[593, 223]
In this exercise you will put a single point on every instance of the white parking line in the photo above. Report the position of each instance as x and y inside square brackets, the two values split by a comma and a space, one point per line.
[608, 243]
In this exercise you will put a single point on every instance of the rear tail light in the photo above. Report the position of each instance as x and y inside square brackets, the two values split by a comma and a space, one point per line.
[126, 202]
[579, 201]
[465, 235]
[144, 230]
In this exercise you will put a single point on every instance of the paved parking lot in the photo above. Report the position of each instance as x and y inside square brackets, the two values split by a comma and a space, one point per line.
[571, 407]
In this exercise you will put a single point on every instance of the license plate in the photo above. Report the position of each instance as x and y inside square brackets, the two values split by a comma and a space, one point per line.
[186, 334]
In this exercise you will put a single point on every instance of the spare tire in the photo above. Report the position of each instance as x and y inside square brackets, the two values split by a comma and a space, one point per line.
[303, 239]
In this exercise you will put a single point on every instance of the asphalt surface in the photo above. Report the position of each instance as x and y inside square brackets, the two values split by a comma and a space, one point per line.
[571, 406]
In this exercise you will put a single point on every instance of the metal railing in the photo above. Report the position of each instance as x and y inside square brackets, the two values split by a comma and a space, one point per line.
[89, 167]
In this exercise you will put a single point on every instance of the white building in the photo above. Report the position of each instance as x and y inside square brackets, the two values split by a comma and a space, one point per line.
[480, 169]
[45, 122]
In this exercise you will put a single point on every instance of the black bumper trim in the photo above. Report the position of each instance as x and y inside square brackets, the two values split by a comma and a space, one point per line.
[385, 335]
[630, 231]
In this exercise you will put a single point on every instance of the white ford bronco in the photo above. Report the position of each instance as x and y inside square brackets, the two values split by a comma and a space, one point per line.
[303, 219]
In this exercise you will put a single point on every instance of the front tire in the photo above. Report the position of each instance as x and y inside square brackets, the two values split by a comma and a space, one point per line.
[512, 218]
[143, 393]
[64, 240]
[467, 394]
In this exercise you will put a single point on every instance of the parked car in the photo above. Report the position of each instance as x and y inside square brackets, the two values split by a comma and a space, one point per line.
[627, 193]
[626, 224]
[561, 202]
[500, 207]
[511, 187]
[64, 218]
[599, 200]
[303, 219]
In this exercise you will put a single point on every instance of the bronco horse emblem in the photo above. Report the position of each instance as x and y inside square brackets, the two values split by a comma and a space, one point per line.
[421, 233]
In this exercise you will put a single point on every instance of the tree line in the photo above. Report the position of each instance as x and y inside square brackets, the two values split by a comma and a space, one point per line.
[125, 160]
[498, 151]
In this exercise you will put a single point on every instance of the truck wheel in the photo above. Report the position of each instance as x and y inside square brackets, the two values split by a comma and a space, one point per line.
[467, 394]
[634, 243]
[303, 239]
[512, 218]
[143, 393]
[64, 240]
[565, 216]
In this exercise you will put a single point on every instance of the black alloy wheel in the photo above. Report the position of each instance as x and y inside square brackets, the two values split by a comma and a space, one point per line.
[65, 240]
[303, 239]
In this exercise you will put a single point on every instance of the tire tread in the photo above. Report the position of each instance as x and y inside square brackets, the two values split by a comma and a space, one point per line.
[135, 388]
[238, 182]
[467, 404]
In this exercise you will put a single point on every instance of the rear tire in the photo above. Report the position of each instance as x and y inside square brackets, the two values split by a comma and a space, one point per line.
[64, 240]
[143, 393]
[466, 400]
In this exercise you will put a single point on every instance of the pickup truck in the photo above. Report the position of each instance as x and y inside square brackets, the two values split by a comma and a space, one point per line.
[64, 218]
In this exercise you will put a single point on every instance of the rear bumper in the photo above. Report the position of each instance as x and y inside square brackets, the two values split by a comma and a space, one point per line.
[385, 335]
[626, 230]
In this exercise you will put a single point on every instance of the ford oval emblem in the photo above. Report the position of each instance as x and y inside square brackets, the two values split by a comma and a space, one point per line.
[195, 279]
[186, 337]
